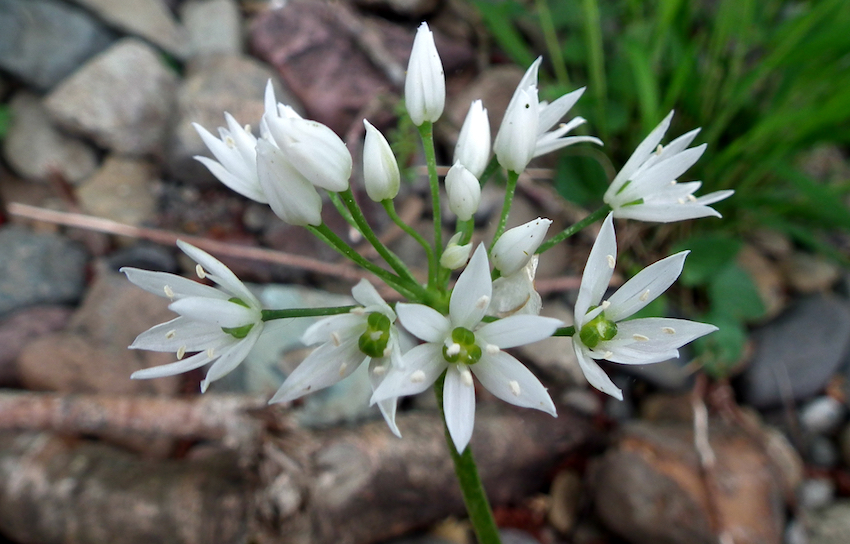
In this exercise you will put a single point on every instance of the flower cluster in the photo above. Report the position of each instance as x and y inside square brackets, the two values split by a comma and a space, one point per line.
[466, 329]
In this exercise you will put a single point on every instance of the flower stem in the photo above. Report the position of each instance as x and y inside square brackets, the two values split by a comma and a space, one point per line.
[367, 232]
[574, 228]
[465, 228]
[477, 505]
[340, 207]
[426, 132]
[268, 315]
[389, 206]
[510, 189]
[491, 168]
[565, 331]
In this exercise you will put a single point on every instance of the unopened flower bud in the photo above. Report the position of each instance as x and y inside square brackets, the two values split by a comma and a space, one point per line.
[380, 168]
[464, 191]
[455, 256]
[425, 85]
[516, 141]
[473, 143]
[516, 246]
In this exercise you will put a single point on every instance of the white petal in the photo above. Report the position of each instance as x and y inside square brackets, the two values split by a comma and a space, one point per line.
[665, 212]
[716, 196]
[422, 366]
[232, 358]
[387, 406]
[343, 325]
[327, 365]
[171, 369]
[247, 187]
[518, 330]
[597, 271]
[645, 287]
[553, 112]
[219, 273]
[659, 338]
[316, 152]
[218, 312]
[459, 407]
[183, 333]
[291, 196]
[548, 143]
[514, 248]
[425, 84]
[424, 322]
[516, 140]
[595, 376]
[180, 287]
[512, 382]
[472, 292]
[658, 177]
[640, 155]
[366, 295]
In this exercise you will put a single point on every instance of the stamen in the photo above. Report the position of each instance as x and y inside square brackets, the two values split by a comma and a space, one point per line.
[388, 351]
[247, 128]
[681, 200]
[608, 354]
[640, 337]
[335, 339]
[417, 377]
[483, 302]
[211, 353]
[453, 350]
[466, 377]
[169, 292]
[668, 330]
[342, 368]
[692, 198]
[491, 349]
[376, 335]
[199, 270]
[644, 296]
[612, 262]
[171, 334]
[230, 142]
[659, 149]
[605, 304]
[673, 182]
[358, 311]
[514, 385]
[379, 370]
[181, 352]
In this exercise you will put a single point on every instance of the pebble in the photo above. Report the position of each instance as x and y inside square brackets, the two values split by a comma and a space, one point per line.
[797, 353]
[795, 533]
[121, 190]
[822, 452]
[122, 99]
[822, 415]
[808, 273]
[38, 269]
[213, 27]
[22, 327]
[830, 525]
[767, 278]
[816, 493]
[844, 444]
[36, 150]
[566, 494]
[42, 41]
[516, 536]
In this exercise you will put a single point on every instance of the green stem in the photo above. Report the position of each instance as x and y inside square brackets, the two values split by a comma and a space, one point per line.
[268, 315]
[364, 228]
[477, 505]
[569, 231]
[510, 189]
[491, 168]
[340, 207]
[565, 331]
[596, 61]
[465, 228]
[427, 134]
[389, 206]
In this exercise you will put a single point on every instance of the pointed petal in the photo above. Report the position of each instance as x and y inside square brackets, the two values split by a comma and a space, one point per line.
[553, 112]
[640, 155]
[459, 407]
[472, 292]
[549, 144]
[214, 311]
[645, 287]
[179, 287]
[651, 340]
[327, 365]
[248, 187]
[366, 295]
[424, 322]
[344, 325]
[231, 358]
[656, 178]
[387, 406]
[665, 212]
[291, 196]
[593, 373]
[597, 271]
[171, 369]
[518, 330]
[181, 332]
[422, 366]
[219, 273]
[512, 382]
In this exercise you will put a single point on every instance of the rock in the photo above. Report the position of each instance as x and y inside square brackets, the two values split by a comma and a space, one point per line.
[822, 452]
[36, 150]
[554, 356]
[649, 489]
[566, 494]
[660, 407]
[797, 353]
[809, 273]
[38, 269]
[22, 327]
[122, 99]
[816, 493]
[215, 85]
[494, 86]
[844, 444]
[121, 191]
[42, 41]
[150, 19]
[830, 525]
[91, 355]
[822, 415]
[213, 27]
[143, 255]
[795, 533]
[767, 278]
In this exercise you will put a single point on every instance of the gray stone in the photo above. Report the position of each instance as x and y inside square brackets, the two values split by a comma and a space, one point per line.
[822, 452]
[830, 525]
[816, 493]
[122, 99]
[213, 27]
[22, 327]
[36, 149]
[148, 19]
[215, 85]
[797, 353]
[822, 415]
[38, 269]
[42, 41]
[121, 191]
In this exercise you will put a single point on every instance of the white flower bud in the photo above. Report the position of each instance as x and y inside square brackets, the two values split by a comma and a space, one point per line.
[516, 246]
[455, 256]
[473, 143]
[425, 85]
[516, 141]
[464, 191]
[380, 168]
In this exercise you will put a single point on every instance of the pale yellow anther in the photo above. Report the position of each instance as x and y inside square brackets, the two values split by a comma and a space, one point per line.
[612, 262]
[358, 311]
[171, 334]
[199, 270]
[335, 339]
[608, 354]
[644, 296]
[453, 350]
[640, 337]
[659, 149]
[417, 377]
[515, 389]
[230, 142]
[668, 330]
[342, 368]
[692, 198]
[466, 377]
[247, 128]
[376, 335]
[379, 370]
[483, 302]
[169, 292]
[181, 352]
[674, 182]
[211, 353]
[388, 351]
[491, 349]
[605, 304]
[681, 200]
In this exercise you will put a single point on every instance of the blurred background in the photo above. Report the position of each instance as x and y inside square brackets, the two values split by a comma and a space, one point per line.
[745, 438]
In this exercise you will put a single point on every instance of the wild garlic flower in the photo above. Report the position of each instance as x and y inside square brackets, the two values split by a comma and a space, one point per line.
[380, 168]
[463, 190]
[646, 188]
[460, 345]
[236, 153]
[455, 255]
[514, 248]
[473, 144]
[217, 325]
[515, 294]
[601, 332]
[519, 139]
[425, 84]
[365, 335]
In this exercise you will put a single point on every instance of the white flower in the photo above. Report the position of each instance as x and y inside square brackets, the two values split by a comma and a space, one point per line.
[459, 345]
[463, 190]
[311, 148]
[515, 247]
[515, 294]
[646, 188]
[380, 168]
[425, 84]
[518, 129]
[473, 144]
[366, 334]
[237, 158]
[291, 196]
[601, 332]
[218, 325]
[455, 256]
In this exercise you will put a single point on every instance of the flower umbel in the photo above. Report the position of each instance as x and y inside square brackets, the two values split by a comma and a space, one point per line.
[461, 346]
[218, 325]
[601, 332]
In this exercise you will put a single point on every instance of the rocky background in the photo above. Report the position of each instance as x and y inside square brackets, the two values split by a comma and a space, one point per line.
[97, 173]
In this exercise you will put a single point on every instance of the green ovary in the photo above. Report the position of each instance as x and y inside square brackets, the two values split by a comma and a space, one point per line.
[597, 330]
[239, 332]
[469, 352]
[374, 341]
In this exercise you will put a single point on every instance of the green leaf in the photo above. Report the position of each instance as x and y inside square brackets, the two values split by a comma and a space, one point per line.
[499, 18]
[709, 255]
[733, 294]
[721, 350]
